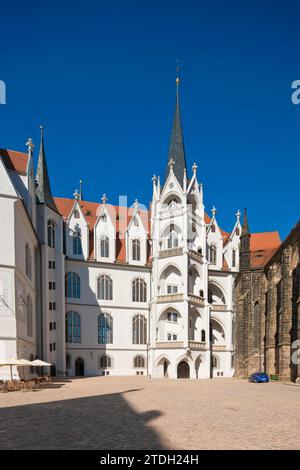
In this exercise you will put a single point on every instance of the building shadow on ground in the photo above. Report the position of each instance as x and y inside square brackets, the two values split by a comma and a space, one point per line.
[99, 422]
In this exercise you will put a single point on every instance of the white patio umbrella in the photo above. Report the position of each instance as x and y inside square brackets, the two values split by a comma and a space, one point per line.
[40, 363]
[14, 361]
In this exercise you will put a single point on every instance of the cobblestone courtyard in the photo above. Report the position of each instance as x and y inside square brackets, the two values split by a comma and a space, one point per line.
[129, 413]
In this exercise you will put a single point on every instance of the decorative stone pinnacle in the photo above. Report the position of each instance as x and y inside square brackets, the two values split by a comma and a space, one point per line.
[30, 145]
[194, 167]
[154, 178]
[171, 164]
[104, 199]
[214, 210]
[136, 204]
[238, 215]
[76, 195]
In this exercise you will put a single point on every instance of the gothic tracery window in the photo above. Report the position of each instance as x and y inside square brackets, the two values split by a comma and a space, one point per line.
[139, 290]
[104, 287]
[73, 327]
[105, 328]
[72, 285]
[136, 250]
[139, 329]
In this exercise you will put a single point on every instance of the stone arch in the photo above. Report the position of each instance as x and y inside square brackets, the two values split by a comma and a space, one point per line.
[163, 364]
[170, 275]
[194, 281]
[216, 293]
[183, 370]
[217, 332]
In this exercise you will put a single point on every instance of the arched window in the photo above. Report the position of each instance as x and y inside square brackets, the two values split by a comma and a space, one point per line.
[139, 290]
[77, 245]
[136, 250]
[51, 233]
[139, 329]
[203, 336]
[72, 285]
[173, 238]
[29, 316]
[139, 361]
[233, 258]
[105, 362]
[76, 214]
[213, 254]
[256, 335]
[73, 327]
[104, 287]
[213, 228]
[135, 222]
[237, 231]
[103, 218]
[28, 266]
[104, 247]
[105, 328]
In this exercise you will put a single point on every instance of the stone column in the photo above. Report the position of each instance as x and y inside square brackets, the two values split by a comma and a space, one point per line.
[271, 322]
[284, 342]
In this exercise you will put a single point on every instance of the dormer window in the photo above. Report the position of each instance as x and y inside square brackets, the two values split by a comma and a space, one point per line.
[88, 213]
[77, 245]
[136, 250]
[213, 254]
[233, 258]
[76, 215]
[104, 247]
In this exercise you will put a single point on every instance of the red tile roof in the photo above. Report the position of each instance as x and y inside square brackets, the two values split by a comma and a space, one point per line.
[119, 214]
[263, 246]
[16, 161]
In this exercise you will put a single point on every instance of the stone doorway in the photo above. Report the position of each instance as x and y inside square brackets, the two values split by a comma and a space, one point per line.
[183, 370]
[79, 367]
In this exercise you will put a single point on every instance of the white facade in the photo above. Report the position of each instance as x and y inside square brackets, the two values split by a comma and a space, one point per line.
[154, 297]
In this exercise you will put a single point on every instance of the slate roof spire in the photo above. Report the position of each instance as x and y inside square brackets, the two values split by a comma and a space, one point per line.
[245, 253]
[176, 150]
[43, 189]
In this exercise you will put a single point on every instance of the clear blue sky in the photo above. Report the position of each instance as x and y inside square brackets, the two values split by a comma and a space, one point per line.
[100, 76]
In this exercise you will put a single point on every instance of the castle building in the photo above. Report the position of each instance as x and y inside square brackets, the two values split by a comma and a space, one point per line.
[97, 289]
[268, 307]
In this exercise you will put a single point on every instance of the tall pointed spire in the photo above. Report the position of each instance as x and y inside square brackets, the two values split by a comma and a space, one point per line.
[245, 253]
[43, 189]
[176, 151]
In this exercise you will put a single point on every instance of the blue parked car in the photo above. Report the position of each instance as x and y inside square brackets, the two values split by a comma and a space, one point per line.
[259, 377]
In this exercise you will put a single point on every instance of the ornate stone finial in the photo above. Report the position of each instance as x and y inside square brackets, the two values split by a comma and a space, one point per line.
[76, 195]
[104, 199]
[136, 204]
[238, 215]
[171, 163]
[213, 211]
[153, 179]
[30, 145]
[194, 167]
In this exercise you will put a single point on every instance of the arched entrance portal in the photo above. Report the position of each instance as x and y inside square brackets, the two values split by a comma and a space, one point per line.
[79, 367]
[183, 370]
